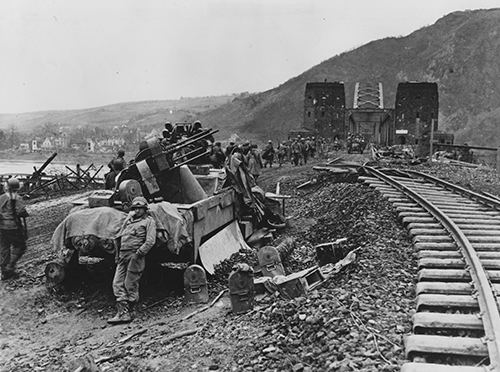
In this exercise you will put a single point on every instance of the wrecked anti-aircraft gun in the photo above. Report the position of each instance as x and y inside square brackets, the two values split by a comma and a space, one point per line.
[199, 217]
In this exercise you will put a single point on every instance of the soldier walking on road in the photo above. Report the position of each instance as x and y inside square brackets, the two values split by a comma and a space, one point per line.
[254, 162]
[268, 154]
[136, 237]
[13, 232]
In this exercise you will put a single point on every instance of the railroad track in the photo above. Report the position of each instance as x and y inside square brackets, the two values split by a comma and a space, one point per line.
[456, 326]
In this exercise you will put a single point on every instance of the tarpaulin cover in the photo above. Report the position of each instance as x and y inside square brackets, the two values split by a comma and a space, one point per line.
[105, 223]
[102, 222]
[172, 223]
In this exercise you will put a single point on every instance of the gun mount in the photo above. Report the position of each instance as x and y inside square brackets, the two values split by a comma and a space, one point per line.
[158, 163]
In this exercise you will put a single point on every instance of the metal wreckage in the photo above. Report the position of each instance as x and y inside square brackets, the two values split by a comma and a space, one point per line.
[203, 215]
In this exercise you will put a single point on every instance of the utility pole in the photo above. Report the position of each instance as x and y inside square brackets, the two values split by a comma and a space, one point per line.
[431, 145]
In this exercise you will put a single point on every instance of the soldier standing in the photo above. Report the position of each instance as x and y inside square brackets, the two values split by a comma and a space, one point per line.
[268, 154]
[110, 178]
[229, 149]
[254, 162]
[217, 158]
[136, 237]
[13, 233]
[282, 153]
[296, 150]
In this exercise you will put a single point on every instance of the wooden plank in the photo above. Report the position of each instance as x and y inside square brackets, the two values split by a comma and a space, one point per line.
[445, 345]
[431, 367]
[446, 321]
[446, 301]
[450, 288]
[443, 275]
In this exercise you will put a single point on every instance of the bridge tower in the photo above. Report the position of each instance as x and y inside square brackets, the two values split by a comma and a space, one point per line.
[368, 115]
[324, 109]
[417, 107]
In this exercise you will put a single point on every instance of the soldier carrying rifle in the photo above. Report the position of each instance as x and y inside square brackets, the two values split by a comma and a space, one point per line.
[13, 230]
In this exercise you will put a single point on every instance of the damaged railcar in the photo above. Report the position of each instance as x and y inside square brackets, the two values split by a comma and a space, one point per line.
[202, 214]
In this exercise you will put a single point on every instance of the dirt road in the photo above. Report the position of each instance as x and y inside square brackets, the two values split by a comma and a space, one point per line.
[42, 331]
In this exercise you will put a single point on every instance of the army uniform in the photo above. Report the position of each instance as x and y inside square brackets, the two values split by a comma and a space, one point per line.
[12, 232]
[136, 237]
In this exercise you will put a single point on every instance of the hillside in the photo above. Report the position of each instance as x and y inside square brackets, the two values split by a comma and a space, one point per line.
[460, 52]
[130, 113]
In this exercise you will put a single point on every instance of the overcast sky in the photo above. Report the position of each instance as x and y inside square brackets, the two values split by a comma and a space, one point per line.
[61, 54]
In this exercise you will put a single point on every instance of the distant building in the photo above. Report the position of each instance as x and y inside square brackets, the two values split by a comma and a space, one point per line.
[48, 144]
[62, 141]
[324, 109]
[25, 147]
[90, 146]
[417, 106]
[34, 145]
[111, 142]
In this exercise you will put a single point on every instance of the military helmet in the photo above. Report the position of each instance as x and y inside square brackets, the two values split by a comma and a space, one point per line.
[118, 164]
[139, 202]
[13, 184]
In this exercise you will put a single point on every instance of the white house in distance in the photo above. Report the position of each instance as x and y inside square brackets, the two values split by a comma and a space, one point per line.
[47, 144]
[90, 145]
[24, 147]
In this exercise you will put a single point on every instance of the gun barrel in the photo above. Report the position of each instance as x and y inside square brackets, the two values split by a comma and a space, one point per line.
[188, 141]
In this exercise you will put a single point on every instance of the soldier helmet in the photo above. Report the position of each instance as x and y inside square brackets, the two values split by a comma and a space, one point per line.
[13, 184]
[139, 202]
[118, 164]
[197, 124]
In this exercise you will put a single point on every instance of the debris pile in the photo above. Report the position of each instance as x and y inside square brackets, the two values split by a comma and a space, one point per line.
[341, 325]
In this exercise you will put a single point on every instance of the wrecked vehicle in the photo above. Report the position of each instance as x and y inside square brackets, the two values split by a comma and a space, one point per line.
[203, 215]
[356, 144]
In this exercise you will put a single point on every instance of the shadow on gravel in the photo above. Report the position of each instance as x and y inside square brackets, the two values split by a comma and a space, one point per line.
[93, 282]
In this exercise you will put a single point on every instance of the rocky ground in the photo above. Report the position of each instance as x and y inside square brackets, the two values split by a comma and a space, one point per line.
[355, 321]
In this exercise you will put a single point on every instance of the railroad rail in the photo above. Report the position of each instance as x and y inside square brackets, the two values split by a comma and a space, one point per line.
[456, 326]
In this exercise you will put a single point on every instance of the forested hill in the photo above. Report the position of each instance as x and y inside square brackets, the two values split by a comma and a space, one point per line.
[461, 52]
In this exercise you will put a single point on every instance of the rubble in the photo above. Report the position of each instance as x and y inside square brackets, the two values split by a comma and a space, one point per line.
[311, 332]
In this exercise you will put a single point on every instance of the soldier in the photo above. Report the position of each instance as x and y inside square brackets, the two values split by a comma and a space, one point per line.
[120, 158]
[254, 162]
[245, 150]
[305, 150]
[268, 154]
[282, 153]
[229, 149]
[110, 178]
[13, 233]
[217, 157]
[136, 237]
[296, 150]
[313, 147]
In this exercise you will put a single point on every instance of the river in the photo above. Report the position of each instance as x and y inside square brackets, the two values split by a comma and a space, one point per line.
[26, 167]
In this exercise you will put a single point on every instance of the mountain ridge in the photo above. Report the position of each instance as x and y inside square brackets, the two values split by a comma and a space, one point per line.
[460, 52]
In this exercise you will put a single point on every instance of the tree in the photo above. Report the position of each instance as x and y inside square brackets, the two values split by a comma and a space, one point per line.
[13, 136]
[3, 139]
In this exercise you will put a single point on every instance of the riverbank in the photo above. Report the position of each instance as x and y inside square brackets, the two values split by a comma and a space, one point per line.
[61, 158]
